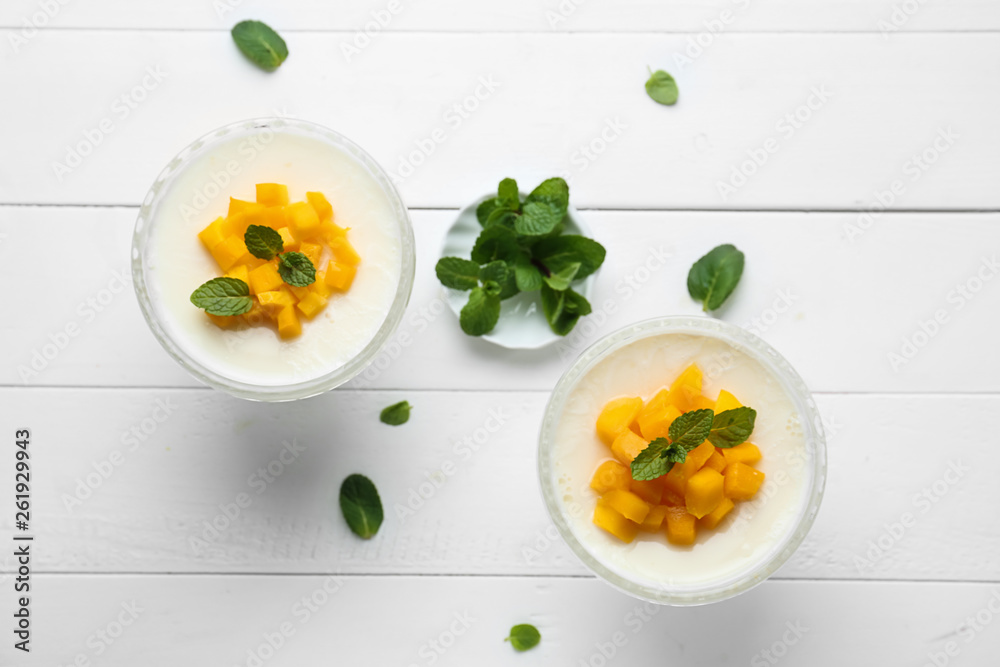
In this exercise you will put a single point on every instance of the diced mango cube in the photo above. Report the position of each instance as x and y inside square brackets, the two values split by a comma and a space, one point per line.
[681, 527]
[230, 252]
[610, 475]
[675, 481]
[745, 452]
[240, 272]
[319, 285]
[651, 491]
[224, 321]
[608, 519]
[702, 403]
[299, 292]
[272, 194]
[302, 220]
[697, 457]
[237, 206]
[626, 503]
[329, 231]
[344, 252]
[654, 520]
[265, 278]
[704, 492]
[214, 234]
[340, 276]
[274, 301]
[313, 251]
[686, 388]
[657, 424]
[289, 242]
[715, 517]
[322, 207]
[273, 217]
[616, 416]
[311, 305]
[742, 481]
[627, 446]
[716, 461]
[726, 401]
[288, 323]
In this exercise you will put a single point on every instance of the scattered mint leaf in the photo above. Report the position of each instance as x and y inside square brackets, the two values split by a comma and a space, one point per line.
[495, 242]
[361, 505]
[223, 296]
[480, 314]
[732, 427]
[484, 210]
[262, 45]
[527, 275]
[560, 280]
[457, 273]
[296, 269]
[524, 637]
[263, 242]
[662, 88]
[714, 277]
[691, 428]
[396, 414]
[556, 252]
[538, 218]
[508, 195]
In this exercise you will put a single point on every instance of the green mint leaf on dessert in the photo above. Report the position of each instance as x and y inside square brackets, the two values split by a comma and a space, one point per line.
[484, 210]
[651, 462]
[557, 252]
[360, 505]
[481, 313]
[539, 218]
[296, 269]
[714, 277]
[508, 195]
[662, 88]
[396, 414]
[691, 428]
[732, 427]
[457, 273]
[223, 296]
[560, 280]
[524, 637]
[263, 242]
[495, 242]
[262, 45]
[527, 275]
[554, 191]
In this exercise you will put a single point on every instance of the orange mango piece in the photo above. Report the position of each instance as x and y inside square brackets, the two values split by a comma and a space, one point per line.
[651, 491]
[214, 234]
[681, 527]
[686, 388]
[340, 276]
[627, 446]
[302, 220]
[324, 211]
[230, 252]
[675, 481]
[613, 522]
[745, 452]
[697, 457]
[265, 278]
[610, 475]
[656, 424]
[726, 401]
[654, 520]
[343, 251]
[272, 194]
[715, 517]
[237, 206]
[742, 482]
[616, 416]
[274, 301]
[626, 503]
[313, 251]
[311, 305]
[288, 323]
[704, 492]
[716, 461]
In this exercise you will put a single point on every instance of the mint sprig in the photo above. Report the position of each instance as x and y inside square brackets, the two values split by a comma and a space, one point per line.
[263, 242]
[223, 297]
[296, 269]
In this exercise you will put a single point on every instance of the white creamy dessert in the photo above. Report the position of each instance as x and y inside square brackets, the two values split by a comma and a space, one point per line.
[753, 531]
[176, 262]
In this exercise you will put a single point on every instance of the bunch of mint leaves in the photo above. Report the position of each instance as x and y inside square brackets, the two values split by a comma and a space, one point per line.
[725, 429]
[522, 248]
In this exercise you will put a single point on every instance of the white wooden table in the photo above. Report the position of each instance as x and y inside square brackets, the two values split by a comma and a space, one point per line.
[133, 460]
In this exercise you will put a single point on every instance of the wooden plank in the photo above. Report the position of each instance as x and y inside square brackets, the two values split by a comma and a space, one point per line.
[812, 284]
[772, 121]
[458, 484]
[233, 620]
[377, 16]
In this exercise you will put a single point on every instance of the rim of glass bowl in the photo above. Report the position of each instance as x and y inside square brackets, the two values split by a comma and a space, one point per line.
[296, 390]
[757, 349]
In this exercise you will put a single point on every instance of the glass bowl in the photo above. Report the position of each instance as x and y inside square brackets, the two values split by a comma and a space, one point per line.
[255, 133]
[562, 508]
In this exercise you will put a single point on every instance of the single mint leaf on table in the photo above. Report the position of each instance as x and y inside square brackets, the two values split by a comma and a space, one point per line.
[262, 45]
[714, 277]
[539, 218]
[662, 88]
[691, 428]
[524, 637]
[732, 427]
[495, 242]
[263, 242]
[361, 505]
[396, 414]
[457, 273]
[480, 314]
[224, 297]
[560, 280]
[527, 275]
[296, 269]
[484, 210]
[508, 195]
[556, 252]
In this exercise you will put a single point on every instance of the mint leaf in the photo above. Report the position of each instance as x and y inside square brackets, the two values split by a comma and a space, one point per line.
[563, 309]
[714, 277]
[524, 637]
[223, 296]
[496, 271]
[263, 242]
[396, 414]
[499, 274]
[484, 210]
[691, 428]
[538, 218]
[481, 313]
[262, 45]
[554, 191]
[508, 195]
[662, 88]
[296, 269]
[361, 505]
[502, 217]
[651, 462]
[556, 252]
[457, 273]
[561, 280]
[495, 242]
[527, 275]
[576, 303]
[732, 427]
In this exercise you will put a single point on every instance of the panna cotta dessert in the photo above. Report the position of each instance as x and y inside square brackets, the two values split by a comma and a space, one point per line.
[682, 459]
[273, 258]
